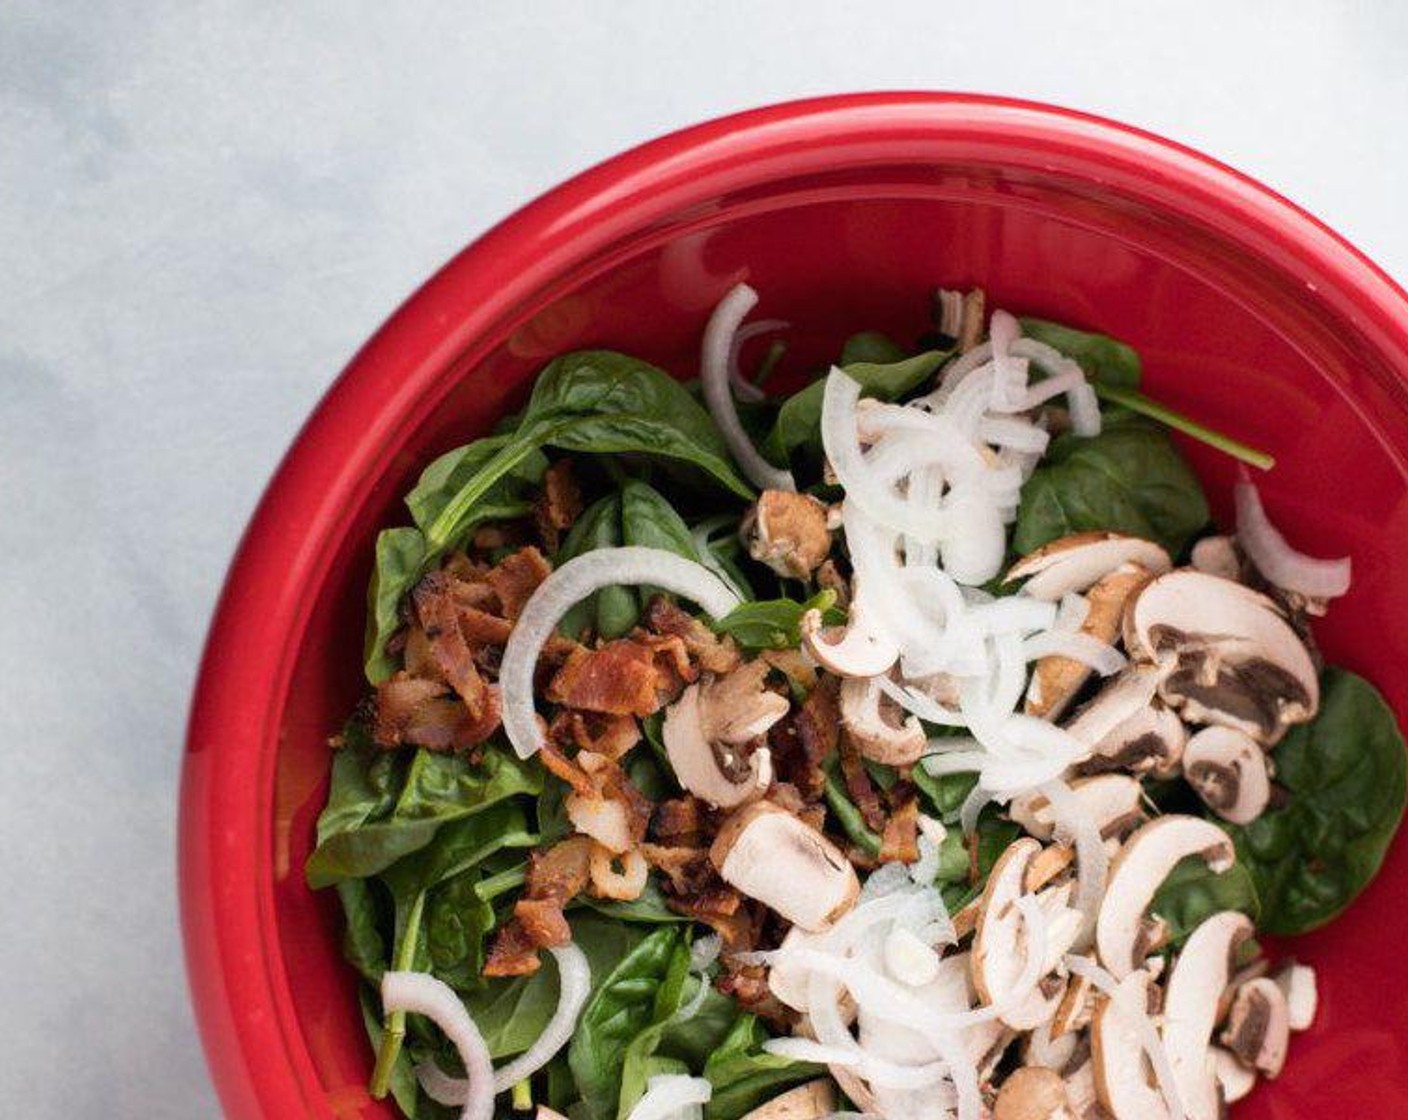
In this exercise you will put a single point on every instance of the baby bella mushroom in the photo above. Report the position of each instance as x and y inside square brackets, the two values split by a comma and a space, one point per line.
[788, 532]
[1228, 770]
[1126, 729]
[766, 853]
[1124, 935]
[878, 726]
[1074, 563]
[706, 727]
[1232, 658]
[1259, 1026]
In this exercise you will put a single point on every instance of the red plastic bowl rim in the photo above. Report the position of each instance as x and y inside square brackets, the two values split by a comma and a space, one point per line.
[244, 1007]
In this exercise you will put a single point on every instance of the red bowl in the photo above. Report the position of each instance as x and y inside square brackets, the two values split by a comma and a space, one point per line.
[844, 213]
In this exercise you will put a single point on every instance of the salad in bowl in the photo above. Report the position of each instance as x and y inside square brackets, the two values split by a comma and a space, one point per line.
[906, 744]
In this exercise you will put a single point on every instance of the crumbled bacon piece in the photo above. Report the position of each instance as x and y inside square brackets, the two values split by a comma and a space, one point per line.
[559, 872]
[671, 662]
[859, 786]
[608, 735]
[681, 820]
[620, 678]
[803, 740]
[748, 985]
[563, 767]
[720, 909]
[559, 504]
[515, 578]
[688, 869]
[900, 838]
[787, 796]
[513, 953]
[712, 653]
[543, 921]
[414, 712]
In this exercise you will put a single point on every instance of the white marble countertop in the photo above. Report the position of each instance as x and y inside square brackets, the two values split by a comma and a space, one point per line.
[205, 208]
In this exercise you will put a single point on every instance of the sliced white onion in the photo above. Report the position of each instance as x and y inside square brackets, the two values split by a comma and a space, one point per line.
[953, 375]
[1139, 1019]
[972, 808]
[423, 994]
[975, 541]
[1085, 410]
[914, 701]
[744, 389]
[714, 363]
[574, 983]
[1014, 614]
[574, 581]
[1104, 658]
[704, 952]
[863, 486]
[1074, 824]
[1019, 435]
[1275, 559]
[671, 1096]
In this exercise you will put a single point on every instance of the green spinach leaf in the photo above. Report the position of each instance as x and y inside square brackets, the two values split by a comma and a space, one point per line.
[872, 348]
[457, 921]
[648, 520]
[438, 788]
[1192, 893]
[1105, 360]
[744, 1075]
[401, 556]
[1346, 775]
[1129, 479]
[512, 1011]
[619, 1003]
[362, 942]
[776, 623]
[611, 611]
[798, 424]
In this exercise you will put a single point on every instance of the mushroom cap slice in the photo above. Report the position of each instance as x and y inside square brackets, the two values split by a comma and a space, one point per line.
[1057, 679]
[808, 1101]
[1113, 801]
[1302, 995]
[1259, 1026]
[1032, 1093]
[1149, 742]
[697, 756]
[1121, 931]
[1074, 563]
[1235, 660]
[1117, 1054]
[878, 726]
[1000, 942]
[1194, 988]
[1228, 770]
[1234, 1080]
[858, 650]
[1121, 699]
[787, 531]
[768, 854]
[1217, 556]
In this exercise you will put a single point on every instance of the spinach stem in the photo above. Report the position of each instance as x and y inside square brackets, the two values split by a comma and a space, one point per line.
[522, 1100]
[768, 365]
[395, 1030]
[494, 885]
[1138, 402]
[849, 818]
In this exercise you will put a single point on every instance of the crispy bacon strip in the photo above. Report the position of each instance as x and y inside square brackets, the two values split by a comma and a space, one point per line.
[681, 821]
[900, 838]
[559, 504]
[688, 869]
[514, 953]
[516, 577]
[859, 786]
[414, 712]
[611, 736]
[712, 653]
[620, 678]
[802, 742]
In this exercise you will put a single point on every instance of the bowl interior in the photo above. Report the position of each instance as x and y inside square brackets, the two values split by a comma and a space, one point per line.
[1229, 333]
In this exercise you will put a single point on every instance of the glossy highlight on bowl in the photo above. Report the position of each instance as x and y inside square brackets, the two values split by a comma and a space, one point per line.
[844, 213]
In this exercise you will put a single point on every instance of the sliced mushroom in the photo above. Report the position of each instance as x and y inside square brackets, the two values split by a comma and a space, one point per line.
[1000, 943]
[1073, 1012]
[1217, 556]
[1057, 679]
[1297, 981]
[787, 532]
[1032, 1093]
[1122, 1080]
[1076, 562]
[1259, 1026]
[768, 854]
[1123, 934]
[1081, 1091]
[1149, 742]
[1121, 699]
[623, 885]
[1113, 801]
[1228, 770]
[857, 650]
[808, 1101]
[703, 728]
[1234, 1080]
[878, 726]
[1190, 1008]
[1233, 658]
